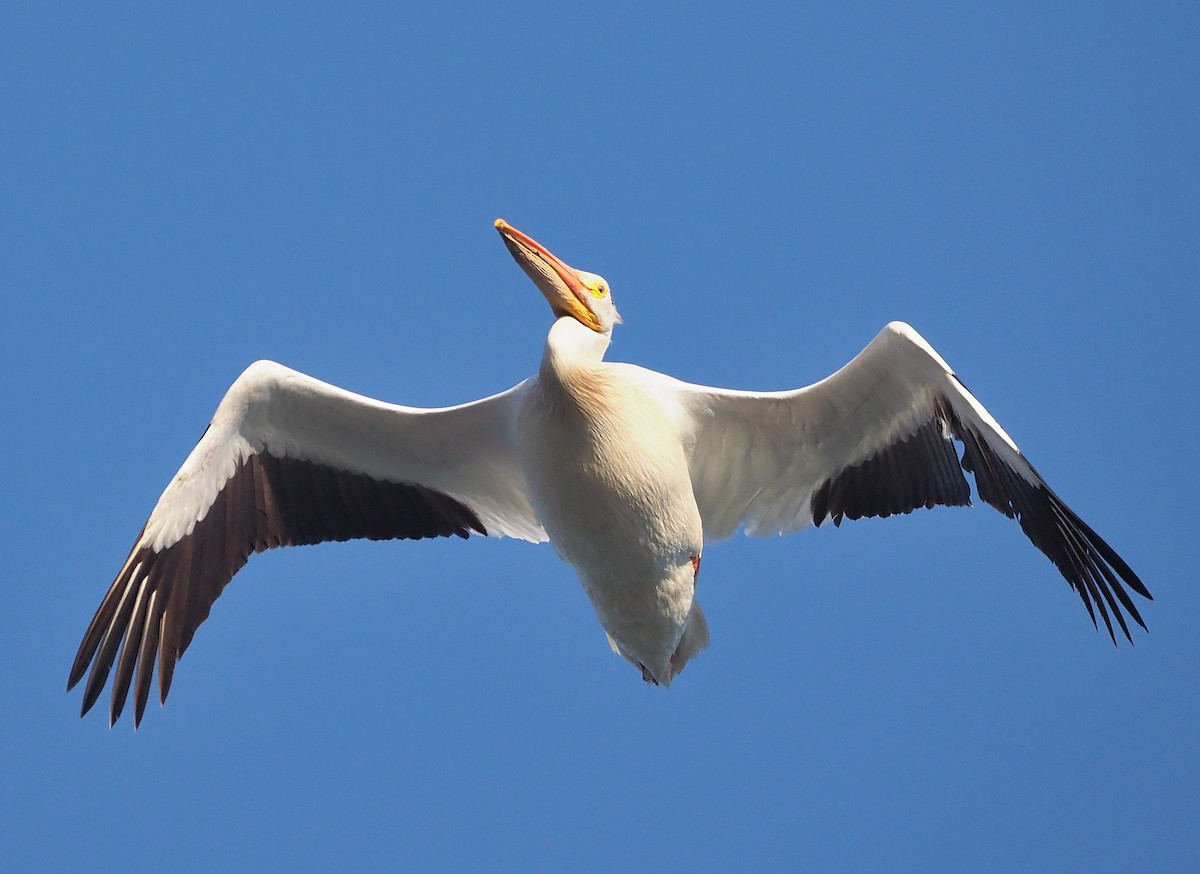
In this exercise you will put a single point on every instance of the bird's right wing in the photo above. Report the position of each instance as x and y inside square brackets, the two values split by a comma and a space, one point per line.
[291, 460]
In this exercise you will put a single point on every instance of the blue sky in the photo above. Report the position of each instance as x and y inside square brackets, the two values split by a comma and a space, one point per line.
[186, 190]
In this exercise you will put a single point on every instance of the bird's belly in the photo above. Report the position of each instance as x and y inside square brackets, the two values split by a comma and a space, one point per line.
[615, 535]
[615, 497]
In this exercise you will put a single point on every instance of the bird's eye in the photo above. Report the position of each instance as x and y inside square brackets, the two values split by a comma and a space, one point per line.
[597, 290]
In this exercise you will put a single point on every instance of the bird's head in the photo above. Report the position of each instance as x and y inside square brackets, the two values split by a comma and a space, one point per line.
[583, 296]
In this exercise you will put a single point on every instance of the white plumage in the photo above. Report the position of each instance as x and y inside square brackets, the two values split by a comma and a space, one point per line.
[626, 471]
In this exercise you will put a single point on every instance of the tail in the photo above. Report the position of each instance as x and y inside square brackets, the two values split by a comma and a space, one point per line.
[695, 638]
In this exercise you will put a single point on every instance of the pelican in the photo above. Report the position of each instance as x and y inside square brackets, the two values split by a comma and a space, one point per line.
[627, 472]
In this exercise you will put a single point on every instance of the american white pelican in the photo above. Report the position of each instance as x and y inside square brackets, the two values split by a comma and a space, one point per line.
[627, 472]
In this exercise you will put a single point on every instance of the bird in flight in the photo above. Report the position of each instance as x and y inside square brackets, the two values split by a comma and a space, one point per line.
[625, 471]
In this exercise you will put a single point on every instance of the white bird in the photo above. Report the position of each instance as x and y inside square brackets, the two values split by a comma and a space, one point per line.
[625, 471]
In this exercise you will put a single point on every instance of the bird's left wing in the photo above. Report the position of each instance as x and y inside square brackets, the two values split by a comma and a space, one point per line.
[289, 460]
[874, 439]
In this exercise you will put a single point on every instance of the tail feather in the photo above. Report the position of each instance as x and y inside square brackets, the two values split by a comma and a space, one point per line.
[695, 638]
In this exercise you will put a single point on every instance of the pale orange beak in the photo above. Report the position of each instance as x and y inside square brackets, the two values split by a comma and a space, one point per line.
[557, 281]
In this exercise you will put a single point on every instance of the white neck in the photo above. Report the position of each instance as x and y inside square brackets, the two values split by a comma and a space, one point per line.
[571, 344]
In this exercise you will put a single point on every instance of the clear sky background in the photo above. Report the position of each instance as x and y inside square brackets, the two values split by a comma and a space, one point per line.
[187, 190]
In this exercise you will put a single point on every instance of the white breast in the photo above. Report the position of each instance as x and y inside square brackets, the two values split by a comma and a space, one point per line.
[610, 483]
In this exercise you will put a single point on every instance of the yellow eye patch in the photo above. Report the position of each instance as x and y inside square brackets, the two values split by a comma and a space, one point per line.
[597, 290]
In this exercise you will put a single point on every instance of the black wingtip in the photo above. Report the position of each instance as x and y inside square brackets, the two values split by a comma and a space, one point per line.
[91, 692]
[1091, 567]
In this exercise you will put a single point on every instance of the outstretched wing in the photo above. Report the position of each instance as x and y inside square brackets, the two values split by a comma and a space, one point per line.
[877, 438]
[290, 460]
